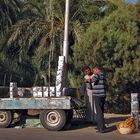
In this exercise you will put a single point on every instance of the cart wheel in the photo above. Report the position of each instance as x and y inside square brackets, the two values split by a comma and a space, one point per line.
[53, 120]
[5, 118]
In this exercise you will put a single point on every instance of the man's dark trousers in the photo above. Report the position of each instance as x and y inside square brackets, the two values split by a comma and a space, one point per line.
[99, 111]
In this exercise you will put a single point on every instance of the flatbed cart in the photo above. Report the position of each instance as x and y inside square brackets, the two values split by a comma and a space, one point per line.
[53, 112]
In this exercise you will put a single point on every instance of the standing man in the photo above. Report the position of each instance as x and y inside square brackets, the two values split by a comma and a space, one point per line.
[88, 77]
[99, 95]
[88, 94]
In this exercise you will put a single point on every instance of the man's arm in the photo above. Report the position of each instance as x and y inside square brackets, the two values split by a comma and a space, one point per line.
[95, 79]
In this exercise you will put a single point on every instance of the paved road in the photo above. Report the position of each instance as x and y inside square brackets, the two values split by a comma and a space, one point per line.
[81, 132]
[78, 131]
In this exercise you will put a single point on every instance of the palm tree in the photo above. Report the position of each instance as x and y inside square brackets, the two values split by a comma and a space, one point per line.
[9, 11]
[38, 33]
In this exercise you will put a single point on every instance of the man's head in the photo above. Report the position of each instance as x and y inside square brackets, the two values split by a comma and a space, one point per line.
[96, 69]
[87, 70]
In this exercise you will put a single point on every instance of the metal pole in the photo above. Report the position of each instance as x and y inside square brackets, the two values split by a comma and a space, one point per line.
[65, 43]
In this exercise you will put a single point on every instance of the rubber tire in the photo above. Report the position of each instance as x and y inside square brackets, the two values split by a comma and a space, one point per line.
[59, 115]
[7, 120]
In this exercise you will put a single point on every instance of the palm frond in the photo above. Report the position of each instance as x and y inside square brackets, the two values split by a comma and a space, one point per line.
[9, 11]
[78, 30]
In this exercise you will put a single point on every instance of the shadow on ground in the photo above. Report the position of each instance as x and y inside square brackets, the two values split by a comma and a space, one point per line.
[110, 123]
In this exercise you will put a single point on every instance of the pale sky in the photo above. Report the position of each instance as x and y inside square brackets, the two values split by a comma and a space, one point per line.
[132, 1]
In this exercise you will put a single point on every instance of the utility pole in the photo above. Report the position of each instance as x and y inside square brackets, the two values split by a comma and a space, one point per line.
[66, 43]
[66, 30]
[62, 72]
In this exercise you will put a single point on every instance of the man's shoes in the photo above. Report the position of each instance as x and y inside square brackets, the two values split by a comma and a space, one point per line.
[102, 131]
[105, 127]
